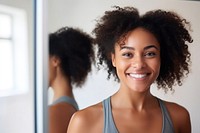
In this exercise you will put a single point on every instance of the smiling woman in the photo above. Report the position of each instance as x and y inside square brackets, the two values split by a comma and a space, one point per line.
[97, 87]
[140, 49]
[135, 49]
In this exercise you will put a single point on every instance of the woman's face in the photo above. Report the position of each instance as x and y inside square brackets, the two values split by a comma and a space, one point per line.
[138, 60]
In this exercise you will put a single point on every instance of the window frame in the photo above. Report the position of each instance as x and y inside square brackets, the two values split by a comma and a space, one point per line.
[19, 49]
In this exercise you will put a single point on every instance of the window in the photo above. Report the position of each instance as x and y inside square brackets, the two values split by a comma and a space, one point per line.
[13, 51]
[6, 53]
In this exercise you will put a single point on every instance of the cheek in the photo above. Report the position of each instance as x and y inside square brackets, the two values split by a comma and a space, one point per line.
[121, 67]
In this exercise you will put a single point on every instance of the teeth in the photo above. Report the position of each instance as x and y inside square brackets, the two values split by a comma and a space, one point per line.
[137, 75]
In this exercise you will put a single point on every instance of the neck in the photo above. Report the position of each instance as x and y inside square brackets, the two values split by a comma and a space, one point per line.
[61, 87]
[134, 100]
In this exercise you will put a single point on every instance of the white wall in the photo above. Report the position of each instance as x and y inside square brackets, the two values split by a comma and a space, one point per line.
[82, 14]
[17, 112]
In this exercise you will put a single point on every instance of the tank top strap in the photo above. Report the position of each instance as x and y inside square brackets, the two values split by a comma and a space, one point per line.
[109, 125]
[68, 100]
[167, 126]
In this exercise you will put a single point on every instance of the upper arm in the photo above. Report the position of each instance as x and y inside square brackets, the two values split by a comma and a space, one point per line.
[185, 124]
[59, 117]
[180, 118]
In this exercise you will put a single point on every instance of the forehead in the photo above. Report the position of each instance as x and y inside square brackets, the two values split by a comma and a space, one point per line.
[139, 37]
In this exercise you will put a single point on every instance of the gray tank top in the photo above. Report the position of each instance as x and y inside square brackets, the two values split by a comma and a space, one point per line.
[68, 100]
[110, 127]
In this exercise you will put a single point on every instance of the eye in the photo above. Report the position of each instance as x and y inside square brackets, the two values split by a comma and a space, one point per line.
[150, 54]
[127, 55]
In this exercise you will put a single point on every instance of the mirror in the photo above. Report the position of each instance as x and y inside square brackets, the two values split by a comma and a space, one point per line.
[82, 14]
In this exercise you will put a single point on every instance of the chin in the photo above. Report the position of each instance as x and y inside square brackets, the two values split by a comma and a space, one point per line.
[140, 88]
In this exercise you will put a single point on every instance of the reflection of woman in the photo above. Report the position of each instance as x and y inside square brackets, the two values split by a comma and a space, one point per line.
[138, 51]
[71, 54]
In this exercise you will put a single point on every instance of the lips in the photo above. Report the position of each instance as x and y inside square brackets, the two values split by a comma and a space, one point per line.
[137, 76]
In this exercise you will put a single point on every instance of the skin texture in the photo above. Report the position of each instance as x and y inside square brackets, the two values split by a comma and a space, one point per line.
[134, 109]
[70, 58]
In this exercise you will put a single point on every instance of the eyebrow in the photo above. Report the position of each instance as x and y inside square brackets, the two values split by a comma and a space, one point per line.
[145, 48]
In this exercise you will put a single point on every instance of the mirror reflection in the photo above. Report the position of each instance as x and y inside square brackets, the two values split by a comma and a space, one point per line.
[70, 58]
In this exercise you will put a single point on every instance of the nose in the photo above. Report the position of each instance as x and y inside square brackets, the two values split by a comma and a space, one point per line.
[138, 62]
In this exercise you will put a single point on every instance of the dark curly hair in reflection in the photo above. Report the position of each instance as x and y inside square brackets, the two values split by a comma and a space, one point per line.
[75, 50]
[168, 27]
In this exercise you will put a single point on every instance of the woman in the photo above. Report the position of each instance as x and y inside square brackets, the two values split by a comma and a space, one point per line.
[70, 58]
[138, 51]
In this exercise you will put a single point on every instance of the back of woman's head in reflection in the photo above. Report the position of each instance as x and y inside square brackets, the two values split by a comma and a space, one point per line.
[74, 49]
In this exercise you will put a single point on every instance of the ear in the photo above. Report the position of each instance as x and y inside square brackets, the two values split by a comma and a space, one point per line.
[55, 61]
[113, 59]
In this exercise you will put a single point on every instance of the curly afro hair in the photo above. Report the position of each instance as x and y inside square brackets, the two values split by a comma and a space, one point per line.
[171, 31]
[75, 50]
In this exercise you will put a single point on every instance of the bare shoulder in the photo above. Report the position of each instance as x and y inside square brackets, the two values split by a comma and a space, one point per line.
[59, 110]
[87, 120]
[180, 117]
[59, 117]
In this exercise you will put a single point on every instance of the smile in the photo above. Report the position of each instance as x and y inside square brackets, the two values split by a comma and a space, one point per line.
[138, 76]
